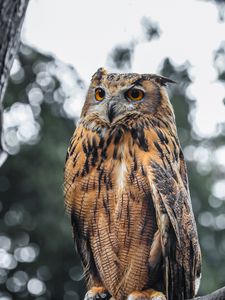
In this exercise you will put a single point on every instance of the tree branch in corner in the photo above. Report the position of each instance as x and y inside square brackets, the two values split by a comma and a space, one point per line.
[12, 14]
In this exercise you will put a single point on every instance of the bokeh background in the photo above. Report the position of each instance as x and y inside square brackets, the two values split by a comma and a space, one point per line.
[64, 42]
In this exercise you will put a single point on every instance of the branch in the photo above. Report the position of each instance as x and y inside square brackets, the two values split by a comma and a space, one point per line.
[12, 14]
[217, 295]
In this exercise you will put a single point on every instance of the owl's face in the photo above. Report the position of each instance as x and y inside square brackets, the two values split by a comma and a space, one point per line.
[111, 96]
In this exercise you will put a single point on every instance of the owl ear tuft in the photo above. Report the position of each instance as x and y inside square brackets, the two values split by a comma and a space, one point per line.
[161, 79]
[97, 77]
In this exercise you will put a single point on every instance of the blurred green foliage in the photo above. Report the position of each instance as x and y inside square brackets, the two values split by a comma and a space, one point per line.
[32, 209]
[37, 256]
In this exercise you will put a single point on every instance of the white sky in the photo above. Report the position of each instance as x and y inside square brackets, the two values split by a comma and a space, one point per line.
[82, 33]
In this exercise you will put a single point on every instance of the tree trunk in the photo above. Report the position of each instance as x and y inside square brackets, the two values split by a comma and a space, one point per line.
[12, 14]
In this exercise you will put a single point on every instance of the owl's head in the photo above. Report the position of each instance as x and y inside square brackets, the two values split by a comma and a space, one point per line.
[111, 95]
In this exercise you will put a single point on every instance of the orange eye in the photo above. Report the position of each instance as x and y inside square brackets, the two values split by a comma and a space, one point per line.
[99, 94]
[135, 94]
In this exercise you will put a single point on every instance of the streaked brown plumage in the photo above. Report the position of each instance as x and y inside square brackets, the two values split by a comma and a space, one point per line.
[126, 189]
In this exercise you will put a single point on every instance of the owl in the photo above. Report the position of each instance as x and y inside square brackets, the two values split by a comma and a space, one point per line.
[126, 190]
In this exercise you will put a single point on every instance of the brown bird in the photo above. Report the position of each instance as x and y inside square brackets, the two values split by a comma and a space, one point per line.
[126, 189]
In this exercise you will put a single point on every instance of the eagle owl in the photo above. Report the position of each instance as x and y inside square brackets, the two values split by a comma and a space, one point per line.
[126, 190]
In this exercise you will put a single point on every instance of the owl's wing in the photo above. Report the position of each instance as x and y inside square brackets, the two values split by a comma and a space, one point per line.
[167, 176]
[75, 188]
[88, 198]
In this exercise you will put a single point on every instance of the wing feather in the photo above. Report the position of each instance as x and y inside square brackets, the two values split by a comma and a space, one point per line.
[167, 176]
[89, 199]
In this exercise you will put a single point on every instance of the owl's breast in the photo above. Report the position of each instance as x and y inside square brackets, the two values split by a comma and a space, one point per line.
[121, 168]
[133, 216]
[108, 191]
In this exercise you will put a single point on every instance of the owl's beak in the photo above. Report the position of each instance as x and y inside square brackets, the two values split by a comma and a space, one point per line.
[112, 110]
